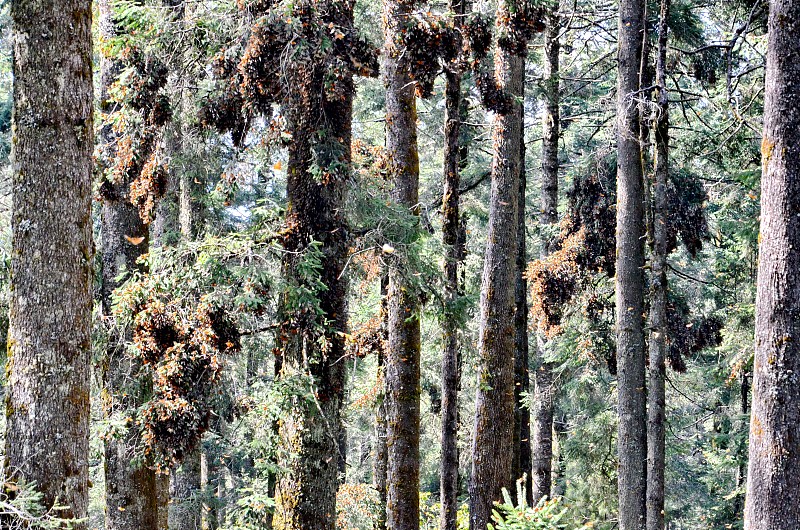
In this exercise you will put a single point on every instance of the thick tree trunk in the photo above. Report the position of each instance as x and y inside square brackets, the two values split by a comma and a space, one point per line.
[543, 399]
[131, 489]
[403, 356]
[305, 497]
[451, 226]
[629, 282]
[50, 318]
[186, 508]
[656, 409]
[773, 476]
[492, 449]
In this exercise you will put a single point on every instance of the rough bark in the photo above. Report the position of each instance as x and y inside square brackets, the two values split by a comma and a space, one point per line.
[773, 476]
[491, 445]
[542, 443]
[379, 464]
[741, 449]
[656, 409]
[451, 226]
[131, 487]
[305, 497]
[47, 395]
[402, 367]
[629, 282]
[185, 512]
[210, 516]
[521, 459]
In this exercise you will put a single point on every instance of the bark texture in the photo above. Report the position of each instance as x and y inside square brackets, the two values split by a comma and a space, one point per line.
[773, 476]
[492, 449]
[186, 508]
[403, 356]
[629, 282]
[379, 463]
[451, 225]
[50, 318]
[656, 407]
[131, 488]
[521, 460]
[305, 497]
[543, 402]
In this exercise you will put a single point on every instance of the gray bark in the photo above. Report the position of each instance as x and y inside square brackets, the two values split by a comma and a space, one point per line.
[308, 479]
[543, 399]
[629, 282]
[521, 459]
[50, 317]
[773, 476]
[186, 508]
[402, 367]
[451, 226]
[379, 464]
[656, 409]
[492, 449]
[131, 487]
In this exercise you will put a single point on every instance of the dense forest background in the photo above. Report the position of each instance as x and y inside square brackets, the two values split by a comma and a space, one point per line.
[222, 275]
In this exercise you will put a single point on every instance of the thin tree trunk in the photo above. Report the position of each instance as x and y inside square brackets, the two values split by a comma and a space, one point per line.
[209, 518]
[656, 410]
[50, 317]
[543, 429]
[132, 500]
[403, 356]
[521, 460]
[451, 226]
[629, 282]
[741, 450]
[543, 399]
[492, 443]
[379, 465]
[773, 476]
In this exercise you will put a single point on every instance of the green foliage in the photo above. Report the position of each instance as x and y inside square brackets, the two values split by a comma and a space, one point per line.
[21, 508]
[509, 515]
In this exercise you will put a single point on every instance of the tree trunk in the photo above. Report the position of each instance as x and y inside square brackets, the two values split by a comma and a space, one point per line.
[209, 517]
[186, 506]
[379, 463]
[403, 356]
[741, 449]
[773, 476]
[451, 226]
[543, 399]
[543, 429]
[629, 282]
[521, 459]
[656, 397]
[491, 446]
[305, 497]
[131, 488]
[50, 317]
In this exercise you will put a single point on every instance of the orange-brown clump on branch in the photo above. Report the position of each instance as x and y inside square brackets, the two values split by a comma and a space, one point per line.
[184, 350]
[429, 42]
[554, 279]
[143, 109]
[368, 338]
